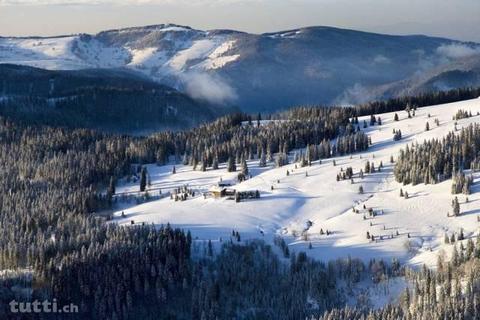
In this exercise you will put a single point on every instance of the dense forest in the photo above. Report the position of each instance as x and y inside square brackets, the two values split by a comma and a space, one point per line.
[436, 160]
[57, 246]
[422, 100]
[48, 228]
[107, 100]
[291, 129]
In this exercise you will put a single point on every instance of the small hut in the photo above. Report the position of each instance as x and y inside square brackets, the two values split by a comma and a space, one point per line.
[217, 192]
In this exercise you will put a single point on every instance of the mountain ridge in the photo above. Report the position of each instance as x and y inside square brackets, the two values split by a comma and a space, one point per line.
[258, 72]
[105, 99]
[161, 26]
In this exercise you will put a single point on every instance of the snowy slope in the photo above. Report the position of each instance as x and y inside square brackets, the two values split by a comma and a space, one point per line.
[258, 72]
[48, 53]
[167, 52]
[319, 198]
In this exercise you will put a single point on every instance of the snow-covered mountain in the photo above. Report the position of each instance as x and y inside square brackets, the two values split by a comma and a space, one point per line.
[257, 72]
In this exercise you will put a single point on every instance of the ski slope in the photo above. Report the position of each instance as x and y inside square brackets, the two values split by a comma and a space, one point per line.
[421, 221]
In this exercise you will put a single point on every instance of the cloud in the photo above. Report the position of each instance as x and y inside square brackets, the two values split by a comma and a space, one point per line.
[381, 59]
[354, 95]
[455, 51]
[208, 87]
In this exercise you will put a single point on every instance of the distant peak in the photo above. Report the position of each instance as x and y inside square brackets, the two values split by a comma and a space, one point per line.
[150, 28]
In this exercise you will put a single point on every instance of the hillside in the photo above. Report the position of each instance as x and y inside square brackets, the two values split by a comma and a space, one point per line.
[259, 72]
[458, 74]
[311, 199]
[105, 99]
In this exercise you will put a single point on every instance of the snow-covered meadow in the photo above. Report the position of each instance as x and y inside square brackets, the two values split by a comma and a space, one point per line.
[411, 230]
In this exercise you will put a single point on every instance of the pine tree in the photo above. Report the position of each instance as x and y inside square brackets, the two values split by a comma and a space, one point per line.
[308, 156]
[452, 238]
[269, 155]
[111, 186]
[263, 160]
[456, 207]
[143, 179]
[244, 167]
[161, 156]
[285, 148]
[367, 167]
[210, 248]
[231, 166]
[397, 135]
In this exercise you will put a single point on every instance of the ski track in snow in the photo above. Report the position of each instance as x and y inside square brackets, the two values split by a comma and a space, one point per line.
[326, 202]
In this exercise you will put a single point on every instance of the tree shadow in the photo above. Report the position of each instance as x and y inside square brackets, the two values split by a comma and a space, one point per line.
[470, 212]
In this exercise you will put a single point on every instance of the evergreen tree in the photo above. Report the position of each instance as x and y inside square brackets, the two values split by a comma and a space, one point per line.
[143, 179]
[111, 186]
[215, 163]
[456, 207]
[360, 189]
[263, 159]
[397, 135]
[244, 167]
[231, 166]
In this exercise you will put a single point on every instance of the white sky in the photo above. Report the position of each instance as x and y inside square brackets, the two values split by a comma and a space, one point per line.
[459, 19]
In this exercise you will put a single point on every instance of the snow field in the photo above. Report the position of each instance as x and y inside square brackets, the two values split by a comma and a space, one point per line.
[318, 199]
